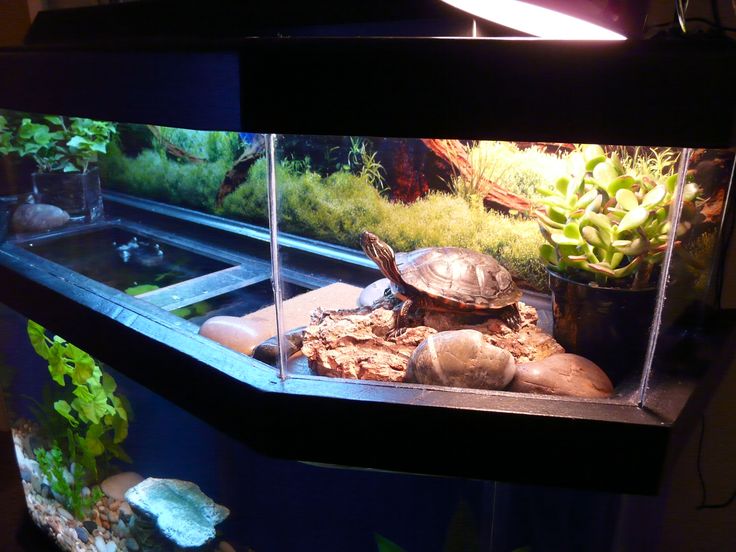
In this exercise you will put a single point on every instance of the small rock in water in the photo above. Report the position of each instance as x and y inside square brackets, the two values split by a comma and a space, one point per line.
[68, 477]
[38, 217]
[111, 547]
[100, 544]
[90, 526]
[36, 483]
[26, 474]
[562, 374]
[116, 485]
[45, 490]
[65, 514]
[120, 529]
[131, 544]
[460, 358]
[82, 534]
[86, 492]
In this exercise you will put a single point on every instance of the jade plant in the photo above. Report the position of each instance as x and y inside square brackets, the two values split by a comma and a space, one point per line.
[608, 223]
[96, 420]
[55, 143]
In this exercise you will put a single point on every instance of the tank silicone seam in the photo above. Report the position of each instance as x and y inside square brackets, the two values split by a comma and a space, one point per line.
[275, 258]
[664, 277]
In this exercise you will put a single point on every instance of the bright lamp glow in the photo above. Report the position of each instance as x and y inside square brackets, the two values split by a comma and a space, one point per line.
[535, 20]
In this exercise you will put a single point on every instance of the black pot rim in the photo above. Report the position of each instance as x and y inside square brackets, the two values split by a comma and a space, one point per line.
[559, 276]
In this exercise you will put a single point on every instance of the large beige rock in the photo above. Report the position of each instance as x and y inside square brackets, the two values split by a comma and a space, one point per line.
[562, 374]
[116, 485]
[245, 333]
[460, 358]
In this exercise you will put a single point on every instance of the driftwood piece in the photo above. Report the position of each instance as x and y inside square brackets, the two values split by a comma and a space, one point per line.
[173, 150]
[353, 343]
[456, 154]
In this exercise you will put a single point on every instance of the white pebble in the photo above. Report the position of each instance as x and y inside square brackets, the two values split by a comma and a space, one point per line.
[111, 546]
[100, 544]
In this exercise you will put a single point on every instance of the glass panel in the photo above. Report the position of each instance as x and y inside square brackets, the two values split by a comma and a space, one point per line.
[476, 254]
[694, 283]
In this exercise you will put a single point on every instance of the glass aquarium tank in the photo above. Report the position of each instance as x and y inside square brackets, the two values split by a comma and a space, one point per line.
[220, 317]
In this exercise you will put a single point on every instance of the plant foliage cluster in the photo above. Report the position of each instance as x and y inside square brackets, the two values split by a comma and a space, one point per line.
[56, 144]
[608, 220]
[96, 419]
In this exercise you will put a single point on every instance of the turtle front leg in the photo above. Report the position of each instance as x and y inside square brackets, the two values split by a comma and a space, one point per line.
[402, 316]
[511, 316]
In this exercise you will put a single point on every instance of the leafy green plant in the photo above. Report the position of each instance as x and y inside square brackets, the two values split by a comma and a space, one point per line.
[607, 224]
[67, 484]
[363, 161]
[97, 418]
[55, 143]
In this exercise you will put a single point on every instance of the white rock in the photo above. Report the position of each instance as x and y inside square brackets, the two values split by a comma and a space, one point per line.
[100, 544]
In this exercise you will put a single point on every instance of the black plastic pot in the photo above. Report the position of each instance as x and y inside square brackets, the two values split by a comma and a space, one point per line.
[609, 326]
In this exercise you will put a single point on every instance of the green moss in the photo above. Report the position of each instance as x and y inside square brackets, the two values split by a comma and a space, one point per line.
[152, 174]
[338, 208]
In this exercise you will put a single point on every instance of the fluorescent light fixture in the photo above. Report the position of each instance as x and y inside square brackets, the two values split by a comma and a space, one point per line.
[535, 20]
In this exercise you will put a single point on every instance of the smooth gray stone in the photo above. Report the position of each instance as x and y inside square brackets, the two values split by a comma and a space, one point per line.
[182, 512]
[460, 358]
[131, 544]
[268, 351]
[38, 217]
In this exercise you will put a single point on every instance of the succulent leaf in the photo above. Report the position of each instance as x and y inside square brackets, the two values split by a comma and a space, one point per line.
[633, 219]
[604, 174]
[654, 197]
[620, 183]
[627, 199]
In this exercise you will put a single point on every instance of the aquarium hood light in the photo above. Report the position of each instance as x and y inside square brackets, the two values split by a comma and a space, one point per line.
[537, 19]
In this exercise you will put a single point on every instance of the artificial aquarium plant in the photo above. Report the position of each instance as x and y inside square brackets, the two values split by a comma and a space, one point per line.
[608, 221]
[55, 143]
[94, 421]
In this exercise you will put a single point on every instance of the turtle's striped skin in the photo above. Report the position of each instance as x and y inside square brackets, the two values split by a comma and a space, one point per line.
[446, 279]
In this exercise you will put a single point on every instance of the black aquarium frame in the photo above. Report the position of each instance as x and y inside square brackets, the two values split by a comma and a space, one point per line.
[624, 93]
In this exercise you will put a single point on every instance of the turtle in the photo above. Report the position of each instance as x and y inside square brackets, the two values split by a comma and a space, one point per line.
[449, 279]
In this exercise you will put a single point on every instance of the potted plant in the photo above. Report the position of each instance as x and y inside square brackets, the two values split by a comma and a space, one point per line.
[607, 225]
[65, 150]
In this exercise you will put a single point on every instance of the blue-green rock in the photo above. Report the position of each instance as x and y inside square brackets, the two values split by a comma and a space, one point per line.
[182, 513]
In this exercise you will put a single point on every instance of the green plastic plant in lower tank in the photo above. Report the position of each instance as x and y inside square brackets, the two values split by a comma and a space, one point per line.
[96, 420]
[608, 221]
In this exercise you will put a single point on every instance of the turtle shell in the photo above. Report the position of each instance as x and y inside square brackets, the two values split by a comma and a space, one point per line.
[457, 278]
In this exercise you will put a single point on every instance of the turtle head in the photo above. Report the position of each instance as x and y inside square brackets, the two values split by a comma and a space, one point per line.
[381, 253]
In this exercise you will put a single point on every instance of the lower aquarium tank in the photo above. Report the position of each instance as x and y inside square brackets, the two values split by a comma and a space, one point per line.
[107, 465]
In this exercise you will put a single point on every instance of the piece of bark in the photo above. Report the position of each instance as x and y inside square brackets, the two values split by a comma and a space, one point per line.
[353, 343]
[456, 154]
